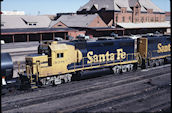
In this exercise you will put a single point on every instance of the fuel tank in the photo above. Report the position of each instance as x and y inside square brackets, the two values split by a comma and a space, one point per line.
[91, 74]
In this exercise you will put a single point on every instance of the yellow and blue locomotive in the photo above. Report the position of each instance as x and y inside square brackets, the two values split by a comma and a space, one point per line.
[57, 62]
[154, 50]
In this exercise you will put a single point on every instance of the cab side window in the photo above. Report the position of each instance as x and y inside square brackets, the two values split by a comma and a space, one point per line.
[60, 55]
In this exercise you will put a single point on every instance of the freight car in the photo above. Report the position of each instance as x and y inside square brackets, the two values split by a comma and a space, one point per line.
[58, 62]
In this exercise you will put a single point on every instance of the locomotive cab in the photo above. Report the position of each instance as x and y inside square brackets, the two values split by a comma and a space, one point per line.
[52, 60]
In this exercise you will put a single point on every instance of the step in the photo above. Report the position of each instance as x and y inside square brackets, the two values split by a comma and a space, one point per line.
[34, 87]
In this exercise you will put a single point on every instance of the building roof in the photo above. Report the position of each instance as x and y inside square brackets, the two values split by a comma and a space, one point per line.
[24, 21]
[115, 5]
[148, 4]
[107, 4]
[145, 25]
[75, 20]
[132, 3]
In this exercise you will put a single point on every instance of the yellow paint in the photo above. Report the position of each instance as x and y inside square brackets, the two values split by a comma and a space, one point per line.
[121, 54]
[143, 47]
[55, 65]
[164, 56]
[93, 58]
[163, 48]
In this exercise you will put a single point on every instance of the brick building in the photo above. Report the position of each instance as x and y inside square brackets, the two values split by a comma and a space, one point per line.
[75, 21]
[124, 11]
[91, 23]
[117, 12]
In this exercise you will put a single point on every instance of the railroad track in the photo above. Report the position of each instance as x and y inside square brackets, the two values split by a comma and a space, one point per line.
[93, 81]
[115, 99]
[128, 103]
[104, 85]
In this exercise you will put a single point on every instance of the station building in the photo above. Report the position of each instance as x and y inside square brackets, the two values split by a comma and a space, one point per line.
[135, 16]
[22, 28]
[95, 18]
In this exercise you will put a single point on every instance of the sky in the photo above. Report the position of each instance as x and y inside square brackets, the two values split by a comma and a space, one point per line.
[34, 7]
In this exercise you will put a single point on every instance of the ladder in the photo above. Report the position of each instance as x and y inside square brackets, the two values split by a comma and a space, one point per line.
[32, 78]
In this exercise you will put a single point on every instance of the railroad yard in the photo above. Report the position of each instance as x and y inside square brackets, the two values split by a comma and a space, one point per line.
[145, 90]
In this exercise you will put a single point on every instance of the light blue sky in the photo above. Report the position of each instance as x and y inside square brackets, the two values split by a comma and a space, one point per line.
[32, 7]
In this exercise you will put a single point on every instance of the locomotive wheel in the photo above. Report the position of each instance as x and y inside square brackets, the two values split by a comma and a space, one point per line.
[157, 62]
[161, 61]
[117, 70]
[124, 68]
[135, 67]
[131, 67]
[165, 61]
[152, 63]
[144, 64]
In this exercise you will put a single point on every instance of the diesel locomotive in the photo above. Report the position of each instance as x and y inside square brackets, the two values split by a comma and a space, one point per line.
[58, 62]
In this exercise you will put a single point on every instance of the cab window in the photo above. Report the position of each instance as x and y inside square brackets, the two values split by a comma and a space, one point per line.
[60, 55]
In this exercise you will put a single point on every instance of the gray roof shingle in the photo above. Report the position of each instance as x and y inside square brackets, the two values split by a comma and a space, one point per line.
[132, 3]
[107, 4]
[148, 4]
[75, 20]
[22, 21]
[116, 4]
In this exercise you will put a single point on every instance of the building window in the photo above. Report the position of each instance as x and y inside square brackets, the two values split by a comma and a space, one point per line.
[156, 19]
[136, 20]
[32, 24]
[116, 18]
[59, 25]
[122, 10]
[142, 19]
[60, 55]
[130, 18]
[123, 19]
[152, 19]
[146, 19]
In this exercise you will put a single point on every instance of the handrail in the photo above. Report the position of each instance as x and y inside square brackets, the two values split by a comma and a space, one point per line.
[37, 75]
[18, 66]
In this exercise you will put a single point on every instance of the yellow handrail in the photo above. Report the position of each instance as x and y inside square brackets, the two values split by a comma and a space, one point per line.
[18, 66]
